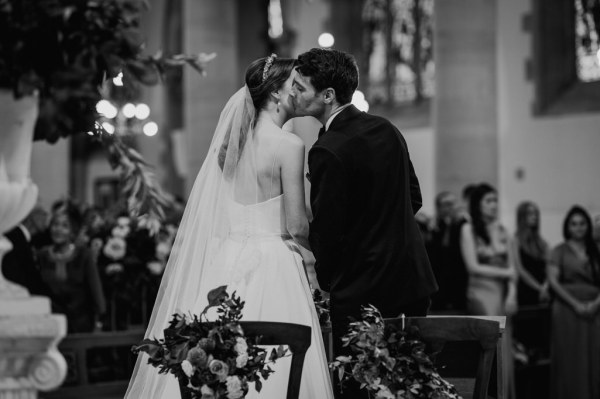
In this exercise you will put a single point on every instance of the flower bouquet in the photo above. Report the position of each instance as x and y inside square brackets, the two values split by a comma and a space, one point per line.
[212, 359]
[389, 362]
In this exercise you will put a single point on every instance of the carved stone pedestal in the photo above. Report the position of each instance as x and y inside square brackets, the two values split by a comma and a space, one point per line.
[29, 360]
[29, 334]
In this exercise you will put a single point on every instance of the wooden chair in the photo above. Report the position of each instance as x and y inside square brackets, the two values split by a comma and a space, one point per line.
[464, 349]
[297, 337]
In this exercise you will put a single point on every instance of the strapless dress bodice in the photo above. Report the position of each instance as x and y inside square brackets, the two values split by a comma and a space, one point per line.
[262, 219]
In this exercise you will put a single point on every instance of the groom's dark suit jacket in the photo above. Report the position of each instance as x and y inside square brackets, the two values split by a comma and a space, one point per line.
[364, 194]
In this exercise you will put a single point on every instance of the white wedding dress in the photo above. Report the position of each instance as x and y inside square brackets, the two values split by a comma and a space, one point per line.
[244, 246]
[263, 265]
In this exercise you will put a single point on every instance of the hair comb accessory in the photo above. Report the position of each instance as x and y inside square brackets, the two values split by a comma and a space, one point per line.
[268, 64]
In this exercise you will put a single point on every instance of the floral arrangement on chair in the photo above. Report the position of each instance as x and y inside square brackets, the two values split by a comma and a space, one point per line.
[212, 359]
[322, 306]
[389, 362]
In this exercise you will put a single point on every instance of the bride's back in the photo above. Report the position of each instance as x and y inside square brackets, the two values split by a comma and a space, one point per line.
[263, 163]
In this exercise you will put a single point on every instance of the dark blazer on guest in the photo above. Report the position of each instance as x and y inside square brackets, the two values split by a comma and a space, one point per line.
[364, 195]
[19, 264]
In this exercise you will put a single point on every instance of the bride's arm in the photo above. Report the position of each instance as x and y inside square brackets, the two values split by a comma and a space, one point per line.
[292, 178]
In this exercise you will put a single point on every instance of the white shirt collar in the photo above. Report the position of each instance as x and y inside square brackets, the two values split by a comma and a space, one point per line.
[336, 113]
[26, 232]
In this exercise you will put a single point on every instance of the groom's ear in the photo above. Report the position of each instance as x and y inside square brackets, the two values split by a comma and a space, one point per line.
[329, 96]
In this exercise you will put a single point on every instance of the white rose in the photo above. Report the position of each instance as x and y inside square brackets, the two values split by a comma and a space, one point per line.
[241, 346]
[188, 369]
[120, 231]
[123, 221]
[234, 388]
[152, 224]
[163, 249]
[113, 268]
[172, 230]
[219, 368]
[207, 392]
[155, 267]
[115, 248]
[241, 360]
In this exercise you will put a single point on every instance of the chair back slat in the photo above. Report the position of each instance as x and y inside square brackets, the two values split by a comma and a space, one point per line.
[296, 336]
[463, 349]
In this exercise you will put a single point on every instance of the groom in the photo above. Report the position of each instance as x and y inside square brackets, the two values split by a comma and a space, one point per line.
[364, 195]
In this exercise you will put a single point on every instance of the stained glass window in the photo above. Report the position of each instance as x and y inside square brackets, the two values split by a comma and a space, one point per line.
[399, 44]
[587, 40]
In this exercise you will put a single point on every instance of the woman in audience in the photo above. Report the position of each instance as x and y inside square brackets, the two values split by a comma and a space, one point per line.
[574, 277]
[484, 246]
[530, 252]
[70, 272]
[491, 289]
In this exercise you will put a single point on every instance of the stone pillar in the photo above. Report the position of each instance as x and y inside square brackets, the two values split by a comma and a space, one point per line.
[29, 360]
[465, 103]
[209, 26]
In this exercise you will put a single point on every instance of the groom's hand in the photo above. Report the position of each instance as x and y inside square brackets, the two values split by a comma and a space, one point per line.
[324, 282]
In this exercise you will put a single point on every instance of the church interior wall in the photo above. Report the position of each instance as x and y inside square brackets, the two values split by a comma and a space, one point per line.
[552, 161]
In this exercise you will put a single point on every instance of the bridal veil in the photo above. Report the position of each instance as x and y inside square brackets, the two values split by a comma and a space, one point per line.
[227, 177]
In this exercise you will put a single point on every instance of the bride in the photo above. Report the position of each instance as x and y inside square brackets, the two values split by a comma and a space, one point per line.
[242, 227]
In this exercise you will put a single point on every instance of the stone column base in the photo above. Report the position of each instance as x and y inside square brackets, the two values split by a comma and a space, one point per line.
[29, 358]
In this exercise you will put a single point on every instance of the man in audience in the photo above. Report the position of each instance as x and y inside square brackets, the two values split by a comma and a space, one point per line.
[19, 264]
[445, 256]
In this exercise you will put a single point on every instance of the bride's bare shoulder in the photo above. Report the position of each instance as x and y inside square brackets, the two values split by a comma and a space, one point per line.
[292, 140]
[284, 140]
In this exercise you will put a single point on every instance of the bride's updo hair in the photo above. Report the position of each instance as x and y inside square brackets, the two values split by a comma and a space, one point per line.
[263, 77]
[262, 81]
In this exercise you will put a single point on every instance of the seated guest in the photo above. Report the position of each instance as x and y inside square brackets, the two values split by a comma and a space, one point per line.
[19, 265]
[71, 273]
[530, 253]
[445, 256]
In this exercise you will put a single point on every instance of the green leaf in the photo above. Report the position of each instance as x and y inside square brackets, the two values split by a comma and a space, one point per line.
[341, 373]
[257, 385]
[152, 347]
[217, 295]
[281, 351]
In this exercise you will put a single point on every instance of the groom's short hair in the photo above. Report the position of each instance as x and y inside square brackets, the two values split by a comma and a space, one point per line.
[330, 68]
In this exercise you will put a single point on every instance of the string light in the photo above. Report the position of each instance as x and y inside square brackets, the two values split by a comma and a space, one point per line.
[118, 80]
[326, 40]
[142, 111]
[359, 101]
[124, 120]
[108, 127]
[150, 129]
[129, 110]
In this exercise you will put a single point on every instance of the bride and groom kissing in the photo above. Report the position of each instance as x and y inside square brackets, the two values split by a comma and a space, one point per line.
[246, 218]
